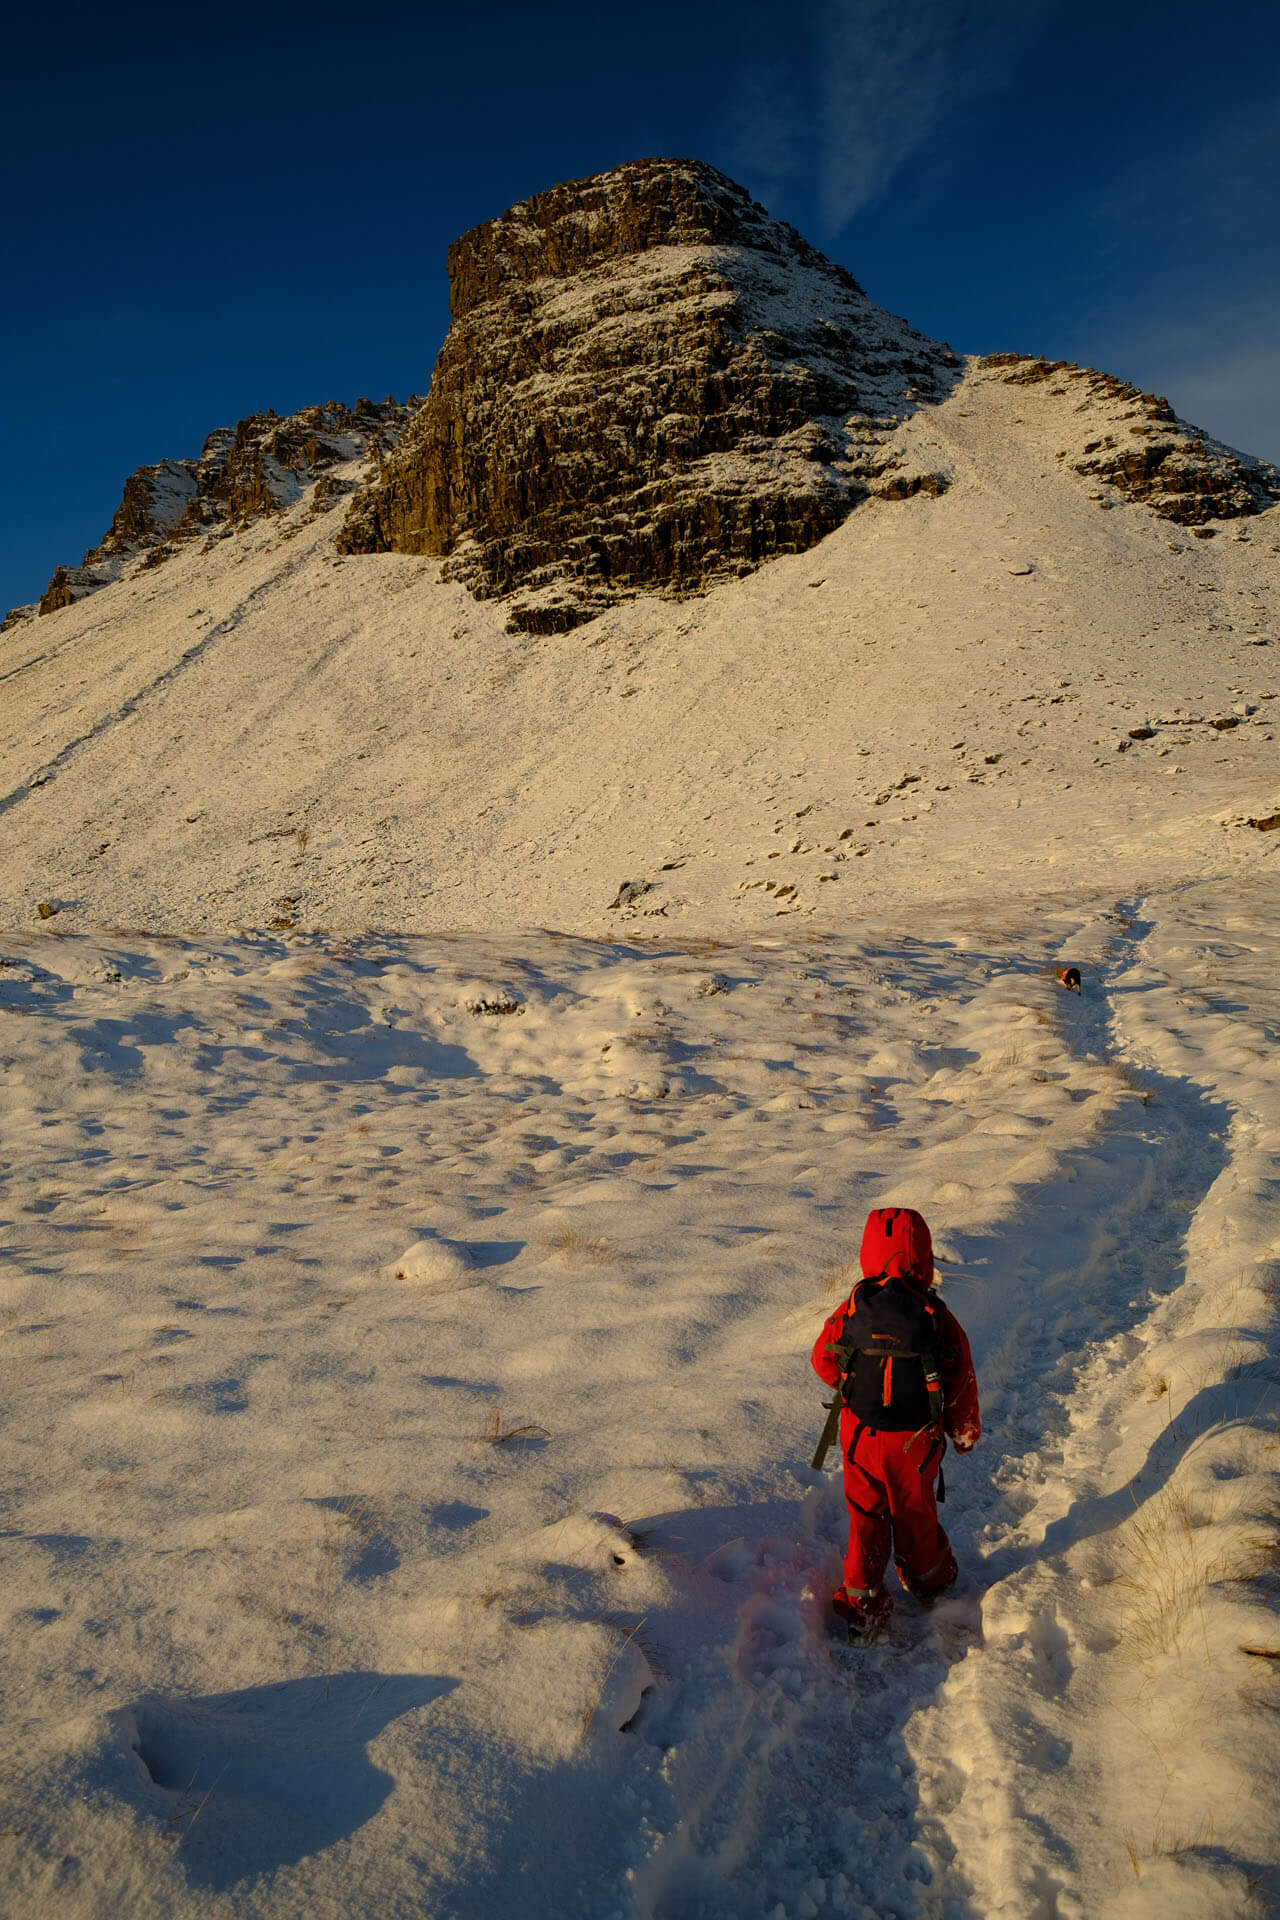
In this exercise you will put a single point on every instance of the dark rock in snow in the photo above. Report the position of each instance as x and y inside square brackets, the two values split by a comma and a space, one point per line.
[628, 892]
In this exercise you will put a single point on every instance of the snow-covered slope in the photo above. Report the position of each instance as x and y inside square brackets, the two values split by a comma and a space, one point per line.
[939, 691]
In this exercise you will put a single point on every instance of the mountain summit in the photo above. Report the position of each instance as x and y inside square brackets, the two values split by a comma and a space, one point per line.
[649, 383]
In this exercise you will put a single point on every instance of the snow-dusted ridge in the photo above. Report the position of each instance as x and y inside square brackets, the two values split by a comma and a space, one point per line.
[260, 466]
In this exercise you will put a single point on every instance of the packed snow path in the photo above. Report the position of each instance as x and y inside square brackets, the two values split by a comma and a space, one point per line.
[407, 1419]
[813, 1792]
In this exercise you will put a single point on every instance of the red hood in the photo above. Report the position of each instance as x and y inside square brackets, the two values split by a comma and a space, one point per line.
[896, 1240]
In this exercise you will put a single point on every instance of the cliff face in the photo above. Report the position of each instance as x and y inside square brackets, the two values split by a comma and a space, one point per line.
[648, 382]
[257, 467]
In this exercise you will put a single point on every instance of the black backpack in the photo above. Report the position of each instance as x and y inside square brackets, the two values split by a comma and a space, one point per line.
[892, 1349]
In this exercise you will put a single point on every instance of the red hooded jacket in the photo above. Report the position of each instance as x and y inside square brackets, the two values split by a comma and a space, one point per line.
[896, 1240]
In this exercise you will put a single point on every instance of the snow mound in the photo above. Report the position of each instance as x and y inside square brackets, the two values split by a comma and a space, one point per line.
[626, 1681]
[435, 1263]
[595, 1541]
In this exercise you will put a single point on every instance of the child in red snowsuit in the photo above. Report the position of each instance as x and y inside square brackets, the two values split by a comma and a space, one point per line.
[891, 1436]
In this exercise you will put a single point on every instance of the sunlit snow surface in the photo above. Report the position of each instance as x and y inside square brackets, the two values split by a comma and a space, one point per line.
[407, 1421]
[406, 1410]
[937, 703]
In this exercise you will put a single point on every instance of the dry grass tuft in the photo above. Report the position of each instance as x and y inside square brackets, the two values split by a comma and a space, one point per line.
[1164, 1841]
[842, 1275]
[592, 1707]
[1168, 1569]
[1173, 1555]
[570, 1244]
[494, 1434]
[188, 1808]
[362, 1513]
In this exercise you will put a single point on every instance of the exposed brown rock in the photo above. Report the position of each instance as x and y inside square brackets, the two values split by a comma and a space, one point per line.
[904, 486]
[1176, 472]
[57, 594]
[648, 382]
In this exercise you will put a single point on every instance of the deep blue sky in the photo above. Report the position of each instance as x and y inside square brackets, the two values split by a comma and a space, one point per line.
[215, 210]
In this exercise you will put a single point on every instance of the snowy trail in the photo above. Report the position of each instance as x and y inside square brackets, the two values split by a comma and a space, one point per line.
[809, 1800]
[1110, 1742]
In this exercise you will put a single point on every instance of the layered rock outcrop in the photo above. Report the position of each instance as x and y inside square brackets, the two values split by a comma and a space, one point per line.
[648, 383]
[1135, 443]
[258, 467]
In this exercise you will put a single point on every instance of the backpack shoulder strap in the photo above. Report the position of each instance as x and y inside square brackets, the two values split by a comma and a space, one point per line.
[868, 1280]
[843, 1345]
[932, 1376]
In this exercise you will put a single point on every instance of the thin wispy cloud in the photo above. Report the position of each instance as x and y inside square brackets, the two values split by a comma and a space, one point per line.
[860, 85]
[891, 75]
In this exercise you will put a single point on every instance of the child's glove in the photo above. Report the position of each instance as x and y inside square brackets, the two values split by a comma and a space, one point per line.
[964, 1442]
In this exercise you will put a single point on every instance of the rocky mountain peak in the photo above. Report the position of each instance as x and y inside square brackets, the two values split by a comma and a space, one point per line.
[1134, 446]
[583, 224]
[648, 383]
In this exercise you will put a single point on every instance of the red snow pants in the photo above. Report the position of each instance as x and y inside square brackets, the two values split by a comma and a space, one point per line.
[890, 1487]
